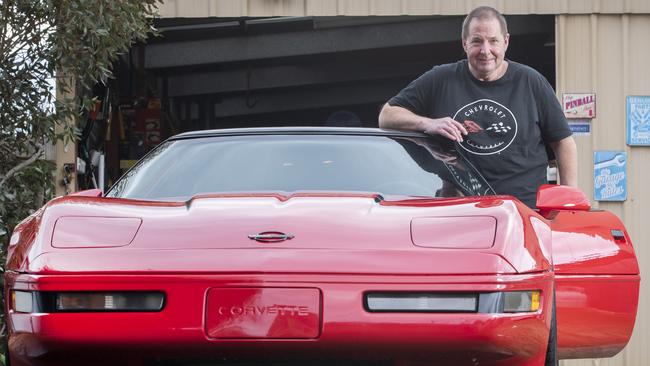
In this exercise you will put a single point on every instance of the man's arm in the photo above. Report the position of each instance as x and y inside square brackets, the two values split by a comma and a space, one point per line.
[398, 118]
[566, 154]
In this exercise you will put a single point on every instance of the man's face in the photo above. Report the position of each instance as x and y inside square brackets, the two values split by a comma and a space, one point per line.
[486, 47]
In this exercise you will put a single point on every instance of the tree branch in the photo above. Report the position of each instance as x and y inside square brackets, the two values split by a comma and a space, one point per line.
[22, 165]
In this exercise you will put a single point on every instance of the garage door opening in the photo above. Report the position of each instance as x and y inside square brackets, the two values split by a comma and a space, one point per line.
[214, 73]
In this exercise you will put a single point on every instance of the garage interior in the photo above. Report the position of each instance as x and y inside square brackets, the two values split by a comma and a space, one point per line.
[213, 73]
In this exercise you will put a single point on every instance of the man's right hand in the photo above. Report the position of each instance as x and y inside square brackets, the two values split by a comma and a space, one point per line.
[398, 118]
[445, 126]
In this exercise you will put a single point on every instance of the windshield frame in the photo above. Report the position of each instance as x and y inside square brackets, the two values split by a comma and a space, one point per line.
[196, 135]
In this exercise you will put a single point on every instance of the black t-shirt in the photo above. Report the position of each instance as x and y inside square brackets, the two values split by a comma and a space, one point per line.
[509, 121]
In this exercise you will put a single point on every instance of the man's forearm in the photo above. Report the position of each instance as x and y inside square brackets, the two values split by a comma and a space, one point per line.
[566, 154]
[398, 118]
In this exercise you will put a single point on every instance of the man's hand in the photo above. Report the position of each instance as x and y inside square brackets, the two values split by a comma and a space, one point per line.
[445, 126]
[398, 118]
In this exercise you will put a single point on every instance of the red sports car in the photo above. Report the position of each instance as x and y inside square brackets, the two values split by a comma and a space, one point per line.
[315, 246]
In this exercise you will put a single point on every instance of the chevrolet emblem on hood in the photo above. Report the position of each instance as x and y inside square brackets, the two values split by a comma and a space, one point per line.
[270, 237]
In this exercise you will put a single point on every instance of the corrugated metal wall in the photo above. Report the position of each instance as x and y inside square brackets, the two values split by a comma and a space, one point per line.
[602, 47]
[239, 8]
[606, 54]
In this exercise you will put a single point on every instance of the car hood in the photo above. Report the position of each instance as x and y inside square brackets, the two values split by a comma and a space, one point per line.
[330, 233]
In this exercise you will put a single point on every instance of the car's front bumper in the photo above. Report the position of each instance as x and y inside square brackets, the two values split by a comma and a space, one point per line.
[347, 331]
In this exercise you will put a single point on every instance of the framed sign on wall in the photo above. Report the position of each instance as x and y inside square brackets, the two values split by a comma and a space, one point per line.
[610, 175]
[638, 120]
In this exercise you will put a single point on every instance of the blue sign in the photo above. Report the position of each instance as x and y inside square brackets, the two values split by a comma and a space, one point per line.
[580, 127]
[610, 175]
[638, 120]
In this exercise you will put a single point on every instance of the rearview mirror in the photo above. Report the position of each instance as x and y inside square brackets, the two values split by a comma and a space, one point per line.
[551, 197]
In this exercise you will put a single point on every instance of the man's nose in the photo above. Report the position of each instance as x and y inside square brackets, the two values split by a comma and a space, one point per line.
[485, 47]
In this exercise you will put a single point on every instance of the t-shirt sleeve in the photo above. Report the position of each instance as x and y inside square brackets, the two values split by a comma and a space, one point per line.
[552, 122]
[416, 96]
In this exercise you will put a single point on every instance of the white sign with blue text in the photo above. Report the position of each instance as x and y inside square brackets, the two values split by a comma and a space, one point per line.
[610, 175]
[638, 120]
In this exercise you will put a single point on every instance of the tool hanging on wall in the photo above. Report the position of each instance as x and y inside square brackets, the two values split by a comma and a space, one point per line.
[92, 141]
[68, 176]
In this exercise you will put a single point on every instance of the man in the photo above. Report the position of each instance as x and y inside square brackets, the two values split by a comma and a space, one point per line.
[501, 113]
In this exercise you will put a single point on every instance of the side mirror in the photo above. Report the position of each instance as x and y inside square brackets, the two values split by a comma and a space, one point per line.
[551, 197]
[88, 193]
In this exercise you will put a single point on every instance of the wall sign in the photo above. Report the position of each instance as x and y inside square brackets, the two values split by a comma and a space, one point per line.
[638, 120]
[579, 105]
[580, 127]
[610, 175]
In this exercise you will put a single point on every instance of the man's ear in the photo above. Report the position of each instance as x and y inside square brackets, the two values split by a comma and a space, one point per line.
[506, 40]
[463, 43]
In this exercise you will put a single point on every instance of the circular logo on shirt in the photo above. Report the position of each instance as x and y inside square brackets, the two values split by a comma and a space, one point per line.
[490, 126]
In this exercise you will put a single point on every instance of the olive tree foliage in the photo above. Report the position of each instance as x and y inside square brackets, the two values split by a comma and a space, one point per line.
[80, 40]
[70, 43]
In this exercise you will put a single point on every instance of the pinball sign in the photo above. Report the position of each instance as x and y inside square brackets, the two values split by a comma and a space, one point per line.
[579, 105]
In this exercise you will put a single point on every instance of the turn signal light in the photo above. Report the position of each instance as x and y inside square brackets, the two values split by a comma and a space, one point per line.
[521, 301]
[488, 302]
[23, 301]
[109, 301]
[421, 302]
[52, 302]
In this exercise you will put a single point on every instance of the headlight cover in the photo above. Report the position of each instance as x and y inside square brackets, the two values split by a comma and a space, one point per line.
[94, 232]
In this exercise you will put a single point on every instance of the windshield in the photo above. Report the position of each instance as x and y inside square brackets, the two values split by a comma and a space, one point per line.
[180, 169]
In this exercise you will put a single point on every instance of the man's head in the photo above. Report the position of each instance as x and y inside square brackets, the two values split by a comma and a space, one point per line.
[485, 41]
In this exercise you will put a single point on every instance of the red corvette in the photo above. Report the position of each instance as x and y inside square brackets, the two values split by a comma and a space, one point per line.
[314, 246]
